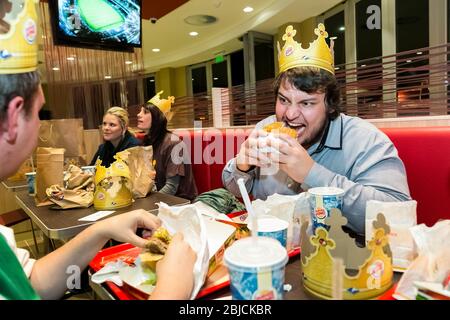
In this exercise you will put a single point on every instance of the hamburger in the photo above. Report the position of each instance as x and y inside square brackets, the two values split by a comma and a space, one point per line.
[278, 127]
[155, 248]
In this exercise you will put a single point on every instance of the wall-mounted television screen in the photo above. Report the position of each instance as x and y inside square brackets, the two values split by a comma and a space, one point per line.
[103, 24]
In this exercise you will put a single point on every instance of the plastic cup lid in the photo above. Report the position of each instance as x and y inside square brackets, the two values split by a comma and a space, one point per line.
[267, 252]
[326, 191]
[271, 224]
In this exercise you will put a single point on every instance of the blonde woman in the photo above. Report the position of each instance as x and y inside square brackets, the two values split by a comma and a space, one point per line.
[116, 136]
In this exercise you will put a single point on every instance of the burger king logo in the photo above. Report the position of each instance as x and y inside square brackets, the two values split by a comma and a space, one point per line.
[289, 50]
[30, 31]
[320, 213]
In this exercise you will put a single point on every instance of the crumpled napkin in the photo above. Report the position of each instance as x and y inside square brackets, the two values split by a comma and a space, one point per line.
[110, 272]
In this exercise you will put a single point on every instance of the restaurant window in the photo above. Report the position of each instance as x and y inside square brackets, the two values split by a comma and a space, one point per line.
[132, 92]
[335, 26]
[80, 107]
[264, 61]
[412, 32]
[237, 67]
[149, 88]
[97, 104]
[220, 75]
[368, 53]
[199, 84]
[114, 94]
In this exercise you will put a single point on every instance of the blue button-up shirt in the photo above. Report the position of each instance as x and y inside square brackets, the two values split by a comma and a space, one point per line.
[356, 156]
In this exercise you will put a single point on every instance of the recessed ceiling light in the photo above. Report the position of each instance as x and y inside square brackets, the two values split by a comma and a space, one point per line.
[107, 77]
[193, 33]
[419, 52]
[152, 80]
[341, 28]
[156, 50]
[363, 65]
[128, 62]
[216, 78]
[247, 9]
[70, 58]
[55, 69]
[408, 61]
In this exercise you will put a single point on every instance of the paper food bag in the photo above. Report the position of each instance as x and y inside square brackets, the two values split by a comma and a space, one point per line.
[400, 216]
[433, 261]
[188, 221]
[68, 199]
[67, 134]
[289, 208]
[142, 172]
[78, 191]
[49, 171]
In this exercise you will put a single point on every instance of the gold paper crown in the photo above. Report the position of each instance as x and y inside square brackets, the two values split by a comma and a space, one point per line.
[318, 54]
[18, 36]
[112, 185]
[163, 104]
[367, 271]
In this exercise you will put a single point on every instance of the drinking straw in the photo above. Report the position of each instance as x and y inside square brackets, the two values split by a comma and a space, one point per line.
[248, 205]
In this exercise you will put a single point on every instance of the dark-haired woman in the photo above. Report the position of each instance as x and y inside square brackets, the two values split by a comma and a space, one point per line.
[173, 173]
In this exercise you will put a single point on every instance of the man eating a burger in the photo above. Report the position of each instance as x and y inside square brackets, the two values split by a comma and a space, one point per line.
[328, 148]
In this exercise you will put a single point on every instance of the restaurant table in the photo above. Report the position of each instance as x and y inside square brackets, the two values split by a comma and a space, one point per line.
[292, 278]
[15, 185]
[64, 224]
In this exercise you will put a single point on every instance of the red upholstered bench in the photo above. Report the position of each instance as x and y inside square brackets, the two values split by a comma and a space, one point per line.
[424, 150]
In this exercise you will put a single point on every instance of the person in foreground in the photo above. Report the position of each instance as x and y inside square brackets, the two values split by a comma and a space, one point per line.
[172, 164]
[330, 149]
[116, 136]
[21, 98]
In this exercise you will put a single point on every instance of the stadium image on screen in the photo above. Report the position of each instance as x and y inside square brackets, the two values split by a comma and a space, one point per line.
[112, 21]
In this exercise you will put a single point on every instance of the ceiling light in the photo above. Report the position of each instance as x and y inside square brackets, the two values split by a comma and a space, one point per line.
[363, 65]
[200, 20]
[419, 52]
[152, 80]
[107, 77]
[156, 50]
[336, 68]
[128, 62]
[70, 58]
[341, 28]
[216, 78]
[193, 33]
[55, 69]
[408, 61]
[247, 9]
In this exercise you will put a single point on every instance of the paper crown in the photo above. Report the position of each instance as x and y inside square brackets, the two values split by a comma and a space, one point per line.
[318, 54]
[112, 185]
[163, 104]
[367, 271]
[18, 36]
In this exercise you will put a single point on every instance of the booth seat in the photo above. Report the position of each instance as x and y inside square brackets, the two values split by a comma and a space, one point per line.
[425, 152]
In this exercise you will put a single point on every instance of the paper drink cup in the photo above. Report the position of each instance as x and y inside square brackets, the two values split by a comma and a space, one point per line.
[273, 227]
[256, 268]
[322, 200]
[31, 182]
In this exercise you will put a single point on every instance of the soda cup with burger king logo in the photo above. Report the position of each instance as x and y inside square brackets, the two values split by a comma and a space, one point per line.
[256, 268]
[322, 200]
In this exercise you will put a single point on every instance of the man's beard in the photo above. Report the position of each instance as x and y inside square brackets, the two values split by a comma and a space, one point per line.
[309, 142]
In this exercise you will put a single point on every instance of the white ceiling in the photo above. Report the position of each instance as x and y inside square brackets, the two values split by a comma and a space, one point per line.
[171, 34]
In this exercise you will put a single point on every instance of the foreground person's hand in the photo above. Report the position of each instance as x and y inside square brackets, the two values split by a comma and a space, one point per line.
[123, 227]
[175, 272]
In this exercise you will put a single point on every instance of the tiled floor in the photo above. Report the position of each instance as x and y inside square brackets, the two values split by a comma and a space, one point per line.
[25, 240]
